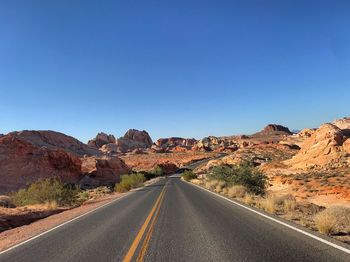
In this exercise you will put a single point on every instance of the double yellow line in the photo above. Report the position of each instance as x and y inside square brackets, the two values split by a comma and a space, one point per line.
[151, 219]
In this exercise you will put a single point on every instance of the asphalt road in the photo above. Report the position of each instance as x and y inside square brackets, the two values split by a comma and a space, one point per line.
[173, 221]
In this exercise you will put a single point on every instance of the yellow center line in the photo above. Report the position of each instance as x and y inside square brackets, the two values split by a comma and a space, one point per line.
[149, 233]
[140, 234]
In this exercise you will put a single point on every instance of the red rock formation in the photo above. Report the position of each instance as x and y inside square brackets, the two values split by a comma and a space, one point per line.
[28, 156]
[168, 167]
[273, 129]
[22, 163]
[103, 170]
[55, 140]
[101, 139]
[175, 141]
[134, 139]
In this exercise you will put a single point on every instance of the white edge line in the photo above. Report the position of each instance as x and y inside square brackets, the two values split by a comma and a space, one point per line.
[60, 225]
[346, 250]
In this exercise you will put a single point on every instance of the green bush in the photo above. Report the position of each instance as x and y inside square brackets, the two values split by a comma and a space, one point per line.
[188, 175]
[45, 191]
[158, 171]
[243, 174]
[130, 181]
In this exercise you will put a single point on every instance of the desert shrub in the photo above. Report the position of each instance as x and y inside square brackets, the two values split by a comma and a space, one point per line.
[188, 175]
[158, 171]
[83, 196]
[237, 191]
[129, 182]
[333, 219]
[46, 191]
[242, 174]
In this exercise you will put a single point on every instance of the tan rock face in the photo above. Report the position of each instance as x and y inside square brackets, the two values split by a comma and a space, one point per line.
[323, 147]
[22, 163]
[346, 146]
[101, 139]
[307, 132]
[343, 123]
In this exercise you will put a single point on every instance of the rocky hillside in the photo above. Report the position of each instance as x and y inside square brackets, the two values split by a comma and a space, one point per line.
[30, 155]
[328, 146]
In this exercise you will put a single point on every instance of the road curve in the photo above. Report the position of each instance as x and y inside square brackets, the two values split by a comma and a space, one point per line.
[173, 221]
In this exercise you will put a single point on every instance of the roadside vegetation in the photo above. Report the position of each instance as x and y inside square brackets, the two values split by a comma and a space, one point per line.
[129, 182]
[47, 191]
[245, 183]
[188, 175]
[243, 174]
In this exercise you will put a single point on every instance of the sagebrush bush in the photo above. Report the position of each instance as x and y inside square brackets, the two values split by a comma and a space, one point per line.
[242, 174]
[46, 191]
[188, 175]
[129, 182]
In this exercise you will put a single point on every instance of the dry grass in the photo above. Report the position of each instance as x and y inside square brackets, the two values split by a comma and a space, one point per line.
[196, 181]
[237, 191]
[51, 205]
[334, 219]
[248, 199]
[289, 205]
[269, 204]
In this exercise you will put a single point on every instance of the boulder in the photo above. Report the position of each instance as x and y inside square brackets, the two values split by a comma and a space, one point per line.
[101, 139]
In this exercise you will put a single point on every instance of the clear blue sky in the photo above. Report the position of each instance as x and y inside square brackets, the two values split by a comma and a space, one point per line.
[174, 68]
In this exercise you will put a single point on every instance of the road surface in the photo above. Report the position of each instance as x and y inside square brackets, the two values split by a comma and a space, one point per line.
[173, 221]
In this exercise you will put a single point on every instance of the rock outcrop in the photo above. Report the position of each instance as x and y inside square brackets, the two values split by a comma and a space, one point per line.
[343, 123]
[105, 170]
[22, 163]
[55, 140]
[28, 156]
[134, 139]
[175, 141]
[274, 129]
[102, 139]
[325, 147]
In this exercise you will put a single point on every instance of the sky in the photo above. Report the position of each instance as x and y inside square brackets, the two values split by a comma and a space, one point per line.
[173, 68]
